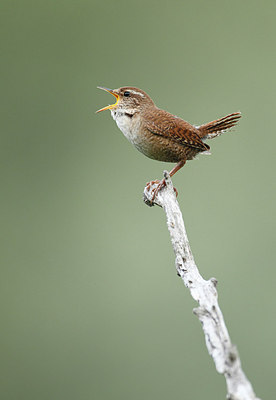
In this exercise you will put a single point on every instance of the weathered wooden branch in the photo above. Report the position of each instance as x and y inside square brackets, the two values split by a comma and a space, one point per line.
[223, 352]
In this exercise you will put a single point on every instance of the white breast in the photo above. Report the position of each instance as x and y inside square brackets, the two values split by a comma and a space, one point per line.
[131, 128]
[128, 125]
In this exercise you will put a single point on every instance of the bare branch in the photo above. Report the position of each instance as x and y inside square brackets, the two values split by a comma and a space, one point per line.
[223, 352]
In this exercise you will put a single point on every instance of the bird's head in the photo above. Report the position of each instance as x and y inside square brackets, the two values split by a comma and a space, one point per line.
[128, 99]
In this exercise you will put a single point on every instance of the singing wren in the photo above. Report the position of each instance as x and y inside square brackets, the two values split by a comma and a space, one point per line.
[157, 133]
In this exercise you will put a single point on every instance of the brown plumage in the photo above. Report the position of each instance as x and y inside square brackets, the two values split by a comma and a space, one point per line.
[219, 126]
[159, 134]
[177, 139]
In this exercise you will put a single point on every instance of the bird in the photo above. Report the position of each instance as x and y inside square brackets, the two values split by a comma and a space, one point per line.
[159, 134]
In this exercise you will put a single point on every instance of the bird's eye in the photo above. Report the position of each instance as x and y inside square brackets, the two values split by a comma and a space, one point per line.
[126, 93]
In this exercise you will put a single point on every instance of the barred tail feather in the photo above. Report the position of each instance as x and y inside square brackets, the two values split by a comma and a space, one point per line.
[219, 126]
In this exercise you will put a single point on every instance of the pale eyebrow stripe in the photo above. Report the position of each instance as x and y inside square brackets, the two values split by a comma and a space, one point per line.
[140, 94]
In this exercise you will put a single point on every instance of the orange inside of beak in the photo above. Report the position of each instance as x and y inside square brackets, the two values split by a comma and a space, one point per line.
[113, 94]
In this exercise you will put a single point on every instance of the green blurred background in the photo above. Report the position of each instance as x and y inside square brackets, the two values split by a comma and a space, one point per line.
[91, 305]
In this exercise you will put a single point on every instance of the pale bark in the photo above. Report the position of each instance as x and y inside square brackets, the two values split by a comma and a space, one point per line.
[223, 352]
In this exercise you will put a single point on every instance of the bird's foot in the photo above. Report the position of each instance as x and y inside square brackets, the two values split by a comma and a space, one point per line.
[151, 183]
[160, 185]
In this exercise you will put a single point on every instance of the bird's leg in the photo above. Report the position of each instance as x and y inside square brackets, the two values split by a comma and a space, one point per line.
[162, 183]
[177, 167]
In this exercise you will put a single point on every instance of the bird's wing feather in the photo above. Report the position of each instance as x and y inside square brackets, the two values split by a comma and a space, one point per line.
[171, 127]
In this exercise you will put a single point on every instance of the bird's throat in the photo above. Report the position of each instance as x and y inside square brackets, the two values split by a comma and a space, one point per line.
[129, 122]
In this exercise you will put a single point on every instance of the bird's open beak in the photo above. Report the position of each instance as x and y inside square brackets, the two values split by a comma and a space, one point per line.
[113, 93]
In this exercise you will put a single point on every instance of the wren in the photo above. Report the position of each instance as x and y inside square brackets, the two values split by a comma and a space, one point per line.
[160, 135]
